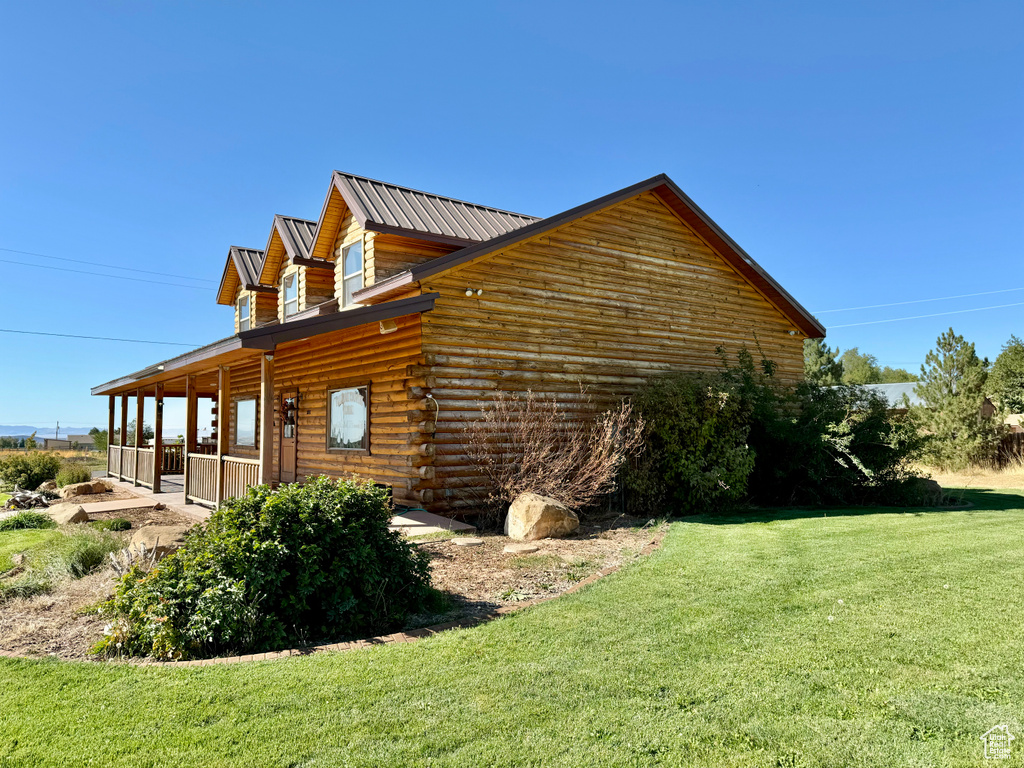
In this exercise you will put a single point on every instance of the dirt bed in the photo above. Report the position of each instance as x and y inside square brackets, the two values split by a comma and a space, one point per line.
[477, 579]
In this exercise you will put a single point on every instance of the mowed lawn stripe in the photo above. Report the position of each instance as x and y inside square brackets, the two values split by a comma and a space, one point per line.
[716, 650]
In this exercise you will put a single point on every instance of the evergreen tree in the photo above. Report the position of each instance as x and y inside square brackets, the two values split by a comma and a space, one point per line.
[1006, 382]
[860, 369]
[953, 390]
[820, 363]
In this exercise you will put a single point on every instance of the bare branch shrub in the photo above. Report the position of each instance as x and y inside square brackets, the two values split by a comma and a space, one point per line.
[570, 451]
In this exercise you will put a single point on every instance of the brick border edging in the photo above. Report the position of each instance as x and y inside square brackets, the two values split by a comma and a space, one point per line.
[398, 637]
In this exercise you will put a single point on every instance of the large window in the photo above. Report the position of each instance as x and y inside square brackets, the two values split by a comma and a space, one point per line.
[348, 419]
[352, 271]
[245, 422]
[290, 286]
[243, 313]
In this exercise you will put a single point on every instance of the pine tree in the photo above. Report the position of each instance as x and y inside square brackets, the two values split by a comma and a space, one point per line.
[953, 390]
[1006, 382]
[820, 363]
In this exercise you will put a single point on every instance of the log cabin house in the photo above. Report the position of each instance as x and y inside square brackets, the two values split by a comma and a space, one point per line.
[363, 341]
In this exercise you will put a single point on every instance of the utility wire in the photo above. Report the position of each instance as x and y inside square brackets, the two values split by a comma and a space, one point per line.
[96, 274]
[936, 314]
[109, 266]
[98, 338]
[918, 301]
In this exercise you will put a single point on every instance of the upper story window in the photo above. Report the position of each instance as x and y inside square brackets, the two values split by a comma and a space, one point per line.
[352, 271]
[290, 288]
[243, 313]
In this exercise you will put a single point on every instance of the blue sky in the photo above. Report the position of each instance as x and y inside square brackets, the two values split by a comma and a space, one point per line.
[863, 153]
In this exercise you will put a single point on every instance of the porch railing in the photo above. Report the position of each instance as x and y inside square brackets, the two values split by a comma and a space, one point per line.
[145, 458]
[173, 459]
[114, 460]
[236, 474]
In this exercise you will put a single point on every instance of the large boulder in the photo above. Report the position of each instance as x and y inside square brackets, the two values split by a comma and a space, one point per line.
[162, 538]
[49, 485]
[65, 513]
[923, 491]
[533, 517]
[83, 489]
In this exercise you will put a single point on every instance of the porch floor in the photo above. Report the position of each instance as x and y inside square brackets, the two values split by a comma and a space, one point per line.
[172, 495]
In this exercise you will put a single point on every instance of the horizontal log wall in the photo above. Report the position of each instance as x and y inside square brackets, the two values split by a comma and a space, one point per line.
[315, 286]
[262, 307]
[245, 384]
[393, 254]
[607, 301]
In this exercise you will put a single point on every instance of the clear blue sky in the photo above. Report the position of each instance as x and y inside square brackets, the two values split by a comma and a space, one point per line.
[863, 153]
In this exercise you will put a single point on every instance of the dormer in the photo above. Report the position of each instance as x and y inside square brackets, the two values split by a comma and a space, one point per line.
[255, 304]
[302, 281]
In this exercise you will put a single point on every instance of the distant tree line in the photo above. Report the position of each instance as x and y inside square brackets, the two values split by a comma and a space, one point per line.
[826, 366]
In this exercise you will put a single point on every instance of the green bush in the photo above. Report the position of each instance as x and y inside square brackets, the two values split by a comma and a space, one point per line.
[27, 519]
[743, 434]
[72, 472]
[272, 569]
[28, 470]
[68, 556]
[696, 457]
[114, 524]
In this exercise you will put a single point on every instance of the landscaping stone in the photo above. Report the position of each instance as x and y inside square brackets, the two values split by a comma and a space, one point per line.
[467, 542]
[83, 489]
[533, 517]
[927, 491]
[65, 513]
[162, 538]
[49, 485]
[520, 549]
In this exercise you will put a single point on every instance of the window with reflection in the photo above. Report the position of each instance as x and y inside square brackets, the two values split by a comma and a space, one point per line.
[352, 271]
[243, 313]
[348, 419]
[245, 422]
[290, 291]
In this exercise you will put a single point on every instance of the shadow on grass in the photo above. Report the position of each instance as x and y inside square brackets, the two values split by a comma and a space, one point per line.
[965, 500]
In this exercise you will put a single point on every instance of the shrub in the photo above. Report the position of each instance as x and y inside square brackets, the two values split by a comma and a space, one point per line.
[24, 520]
[114, 524]
[72, 472]
[696, 456]
[273, 568]
[28, 470]
[568, 450]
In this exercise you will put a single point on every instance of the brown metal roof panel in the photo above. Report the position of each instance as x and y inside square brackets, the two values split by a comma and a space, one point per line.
[299, 232]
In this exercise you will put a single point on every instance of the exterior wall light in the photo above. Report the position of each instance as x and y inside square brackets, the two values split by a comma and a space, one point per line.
[469, 291]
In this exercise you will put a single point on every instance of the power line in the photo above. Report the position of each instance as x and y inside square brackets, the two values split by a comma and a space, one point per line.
[96, 274]
[109, 266]
[98, 338]
[936, 314]
[918, 301]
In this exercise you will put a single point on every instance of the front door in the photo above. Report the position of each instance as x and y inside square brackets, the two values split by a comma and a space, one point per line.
[289, 436]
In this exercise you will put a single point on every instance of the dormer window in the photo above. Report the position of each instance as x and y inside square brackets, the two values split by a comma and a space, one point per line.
[243, 314]
[290, 286]
[352, 271]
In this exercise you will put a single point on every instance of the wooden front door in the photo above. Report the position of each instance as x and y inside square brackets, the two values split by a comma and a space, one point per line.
[289, 435]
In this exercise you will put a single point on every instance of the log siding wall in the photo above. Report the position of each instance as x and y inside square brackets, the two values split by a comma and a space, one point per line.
[606, 301]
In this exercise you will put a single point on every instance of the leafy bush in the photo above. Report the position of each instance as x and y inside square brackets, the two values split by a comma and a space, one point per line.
[28, 470]
[68, 556]
[270, 569]
[72, 472]
[696, 456]
[24, 520]
[114, 524]
[810, 444]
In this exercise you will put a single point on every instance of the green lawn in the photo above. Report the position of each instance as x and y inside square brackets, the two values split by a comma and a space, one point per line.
[717, 650]
[12, 542]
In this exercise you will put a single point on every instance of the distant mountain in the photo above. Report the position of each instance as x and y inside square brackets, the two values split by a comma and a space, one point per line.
[23, 430]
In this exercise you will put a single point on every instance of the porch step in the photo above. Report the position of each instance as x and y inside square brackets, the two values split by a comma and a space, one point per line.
[115, 506]
[419, 523]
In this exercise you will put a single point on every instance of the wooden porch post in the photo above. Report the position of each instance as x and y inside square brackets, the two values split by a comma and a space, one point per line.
[140, 409]
[191, 425]
[110, 430]
[158, 438]
[266, 418]
[223, 425]
[122, 439]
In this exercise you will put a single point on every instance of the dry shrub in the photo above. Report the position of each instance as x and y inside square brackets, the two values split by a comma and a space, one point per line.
[571, 452]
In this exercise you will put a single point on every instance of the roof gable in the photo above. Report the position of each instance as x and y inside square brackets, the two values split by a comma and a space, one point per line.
[242, 269]
[673, 197]
[291, 240]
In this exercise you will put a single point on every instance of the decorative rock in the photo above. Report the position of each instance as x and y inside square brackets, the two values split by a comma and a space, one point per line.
[158, 506]
[49, 485]
[162, 538]
[18, 559]
[82, 489]
[101, 486]
[467, 542]
[533, 517]
[520, 549]
[67, 512]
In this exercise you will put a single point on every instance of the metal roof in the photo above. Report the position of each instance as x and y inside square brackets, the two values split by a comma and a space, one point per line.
[385, 207]
[248, 262]
[297, 235]
[893, 393]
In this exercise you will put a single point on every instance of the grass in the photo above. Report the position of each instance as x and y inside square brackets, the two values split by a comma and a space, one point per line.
[54, 558]
[13, 542]
[727, 647]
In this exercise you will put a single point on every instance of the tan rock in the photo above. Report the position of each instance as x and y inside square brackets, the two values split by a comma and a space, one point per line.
[81, 489]
[99, 485]
[520, 549]
[162, 538]
[463, 541]
[49, 485]
[68, 512]
[533, 517]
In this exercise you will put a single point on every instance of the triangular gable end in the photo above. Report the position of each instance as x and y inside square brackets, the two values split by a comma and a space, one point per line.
[241, 269]
[290, 240]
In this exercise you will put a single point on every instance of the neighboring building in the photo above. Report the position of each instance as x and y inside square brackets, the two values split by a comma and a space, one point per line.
[365, 341]
[56, 444]
[69, 443]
